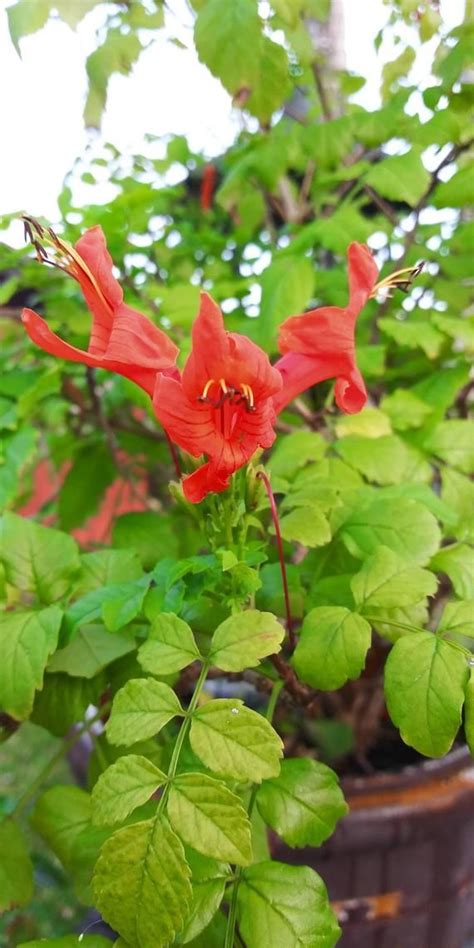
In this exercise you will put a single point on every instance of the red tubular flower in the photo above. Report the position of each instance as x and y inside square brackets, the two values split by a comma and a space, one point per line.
[320, 344]
[122, 339]
[223, 405]
[207, 186]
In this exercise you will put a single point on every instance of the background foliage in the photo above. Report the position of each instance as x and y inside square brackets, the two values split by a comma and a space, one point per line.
[377, 509]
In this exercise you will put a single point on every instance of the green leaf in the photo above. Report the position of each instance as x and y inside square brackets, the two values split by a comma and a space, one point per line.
[106, 568]
[141, 884]
[400, 177]
[405, 526]
[293, 451]
[394, 70]
[272, 84]
[457, 192]
[370, 422]
[128, 783]
[385, 460]
[25, 18]
[140, 709]
[170, 646]
[80, 493]
[457, 562]
[227, 39]
[304, 803]
[60, 814]
[281, 905]
[242, 640]
[117, 53]
[27, 639]
[16, 870]
[63, 701]
[453, 442]
[306, 525]
[208, 881]
[469, 712]
[425, 679]
[210, 818]
[37, 559]
[458, 493]
[234, 741]
[386, 580]
[332, 647]
[413, 335]
[458, 618]
[287, 287]
[123, 607]
[147, 533]
[91, 650]
[405, 409]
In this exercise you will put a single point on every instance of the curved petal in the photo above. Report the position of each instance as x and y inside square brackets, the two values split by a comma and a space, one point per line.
[218, 354]
[350, 391]
[189, 424]
[40, 333]
[301, 372]
[319, 332]
[103, 293]
[135, 340]
[202, 482]
[363, 273]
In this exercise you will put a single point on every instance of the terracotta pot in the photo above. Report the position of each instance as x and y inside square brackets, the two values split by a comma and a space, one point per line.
[400, 866]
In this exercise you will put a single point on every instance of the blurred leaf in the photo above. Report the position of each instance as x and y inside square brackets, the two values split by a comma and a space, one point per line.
[117, 53]
[16, 869]
[37, 559]
[228, 40]
[80, 493]
[287, 287]
[27, 639]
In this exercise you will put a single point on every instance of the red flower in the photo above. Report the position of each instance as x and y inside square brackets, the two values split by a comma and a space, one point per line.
[122, 339]
[207, 186]
[222, 406]
[320, 344]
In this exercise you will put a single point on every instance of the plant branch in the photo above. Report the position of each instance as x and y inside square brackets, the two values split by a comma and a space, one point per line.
[276, 523]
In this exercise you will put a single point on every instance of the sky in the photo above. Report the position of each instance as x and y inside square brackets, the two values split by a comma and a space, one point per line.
[169, 92]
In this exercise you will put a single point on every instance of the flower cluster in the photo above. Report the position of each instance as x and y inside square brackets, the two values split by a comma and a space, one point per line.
[225, 401]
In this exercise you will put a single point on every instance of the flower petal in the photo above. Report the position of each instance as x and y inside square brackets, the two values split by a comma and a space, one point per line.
[189, 424]
[363, 273]
[218, 354]
[40, 333]
[135, 340]
[92, 249]
[204, 481]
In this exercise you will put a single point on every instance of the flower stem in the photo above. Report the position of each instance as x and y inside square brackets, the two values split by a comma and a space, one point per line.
[174, 455]
[232, 916]
[276, 522]
[182, 736]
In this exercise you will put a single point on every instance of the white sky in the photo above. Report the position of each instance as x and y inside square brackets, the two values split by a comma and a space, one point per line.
[169, 91]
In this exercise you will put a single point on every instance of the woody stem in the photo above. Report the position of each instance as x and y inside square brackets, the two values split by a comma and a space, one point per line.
[276, 523]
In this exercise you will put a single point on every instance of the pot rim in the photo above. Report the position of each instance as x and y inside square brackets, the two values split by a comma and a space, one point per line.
[410, 775]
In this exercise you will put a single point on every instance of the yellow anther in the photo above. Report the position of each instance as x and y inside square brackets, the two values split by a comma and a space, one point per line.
[248, 394]
[223, 386]
[207, 387]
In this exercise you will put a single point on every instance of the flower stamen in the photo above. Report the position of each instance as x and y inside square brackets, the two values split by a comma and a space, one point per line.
[64, 257]
[398, 280]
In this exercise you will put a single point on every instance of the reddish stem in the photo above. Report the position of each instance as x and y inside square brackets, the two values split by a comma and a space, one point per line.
[276, 523]
[174, 455]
